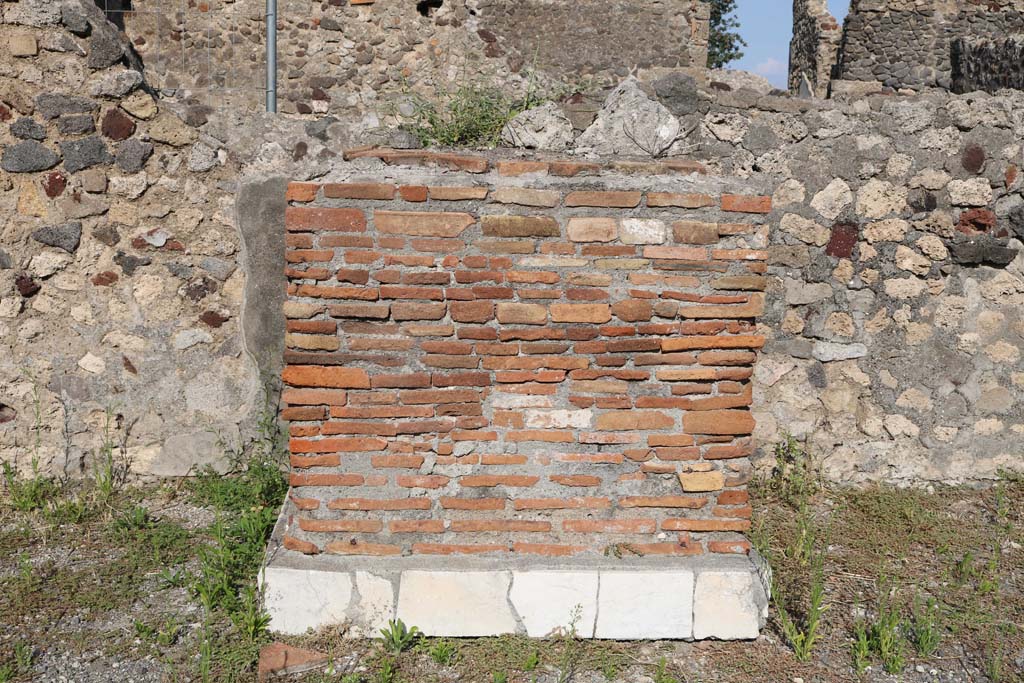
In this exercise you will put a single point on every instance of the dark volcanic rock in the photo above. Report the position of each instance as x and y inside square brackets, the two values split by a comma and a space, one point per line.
[27, 157]
[132, 155]
[27, 128]
[982, 250]
[85, 153]
[66, 236]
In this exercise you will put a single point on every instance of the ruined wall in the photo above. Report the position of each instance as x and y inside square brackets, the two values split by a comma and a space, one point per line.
[908, 44]
[500, 362]
[813, 48]
[355, 58]
[893, 297]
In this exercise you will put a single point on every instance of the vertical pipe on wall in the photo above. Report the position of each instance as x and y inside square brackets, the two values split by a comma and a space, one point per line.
[271, 56]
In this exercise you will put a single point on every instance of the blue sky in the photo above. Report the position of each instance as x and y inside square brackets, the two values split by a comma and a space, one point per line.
[767, 26]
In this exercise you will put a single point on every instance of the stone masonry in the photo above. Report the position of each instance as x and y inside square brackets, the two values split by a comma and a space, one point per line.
[911, 44]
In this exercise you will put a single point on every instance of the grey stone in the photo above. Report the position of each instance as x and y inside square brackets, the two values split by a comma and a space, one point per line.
[66, 236]
[52, 105]
[201, 158]
[827, 352]
[318, 129]
[27, 157]
[32, 12]
[799, 293]
[1016, 220]
[259, 205]
[630, 123]
[129, 263]
[982, 250]
[27, 128]
[545, 127]
[6, 262]
[79, 124]
[400, 138]
[132, 155]
[116, 84]
[105, 49]
[75, 21]
[85, 153]
[218, 267]
[678, 92]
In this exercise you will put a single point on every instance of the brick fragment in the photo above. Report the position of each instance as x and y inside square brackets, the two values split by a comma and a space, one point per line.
[585, 229]
[317, 376]
[455, 194]
[746, 204]
[625, 200]
[305, 219]
[725, 422]
[684, 201]
[628, 420]
[580, 313]
[520, 226]
[359, 191]
[422, 223]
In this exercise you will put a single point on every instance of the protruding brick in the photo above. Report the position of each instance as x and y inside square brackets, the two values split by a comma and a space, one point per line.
[520, 226]
[739, 203]
[581, 313]
[317, 376]
[422, 223]
[586, 229]
[522, 314]
[727, 422]
[380, 191]
[625, 200]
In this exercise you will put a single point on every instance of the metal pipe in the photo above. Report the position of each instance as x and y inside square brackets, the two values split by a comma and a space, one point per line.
[272, 56]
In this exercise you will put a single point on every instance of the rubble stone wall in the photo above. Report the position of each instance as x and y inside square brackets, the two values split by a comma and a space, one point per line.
[814, 46]
[909, 44]
[545, 359]
[139, 276]
[356, 58]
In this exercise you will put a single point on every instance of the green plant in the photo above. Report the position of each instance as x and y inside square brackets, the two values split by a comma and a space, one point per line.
[571, 651]
[472, 115]
[249, 618]
[802, 633]
[387, 673]
[23, 657]
[796, 475]
[397, 638]
[887, 635]
[28, 493]
[925, 630]
[442, 652]
[499, 677]
[861, 646]
[175, 578]
[532, 661]
[661, 674]
[7, 673]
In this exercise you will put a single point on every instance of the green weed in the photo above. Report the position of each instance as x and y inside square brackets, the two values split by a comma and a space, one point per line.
[925, 629]
[887, 634]
[29, 493]
[532, 661]
[499, 677]
[7, 673]
[23, 657]
[387, 673]
[802, 633]
[796, 476]
[442, 652]
[861, 647]
[397, 638]
[661, 674]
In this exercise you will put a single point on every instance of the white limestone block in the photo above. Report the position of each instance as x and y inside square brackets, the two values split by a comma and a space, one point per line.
[374, 607]
[547, 602]
[728, 605]
[456, 603]
[645, 605]
[300, 599]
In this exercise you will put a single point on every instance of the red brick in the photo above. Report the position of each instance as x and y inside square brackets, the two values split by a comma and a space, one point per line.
[416, 526]
[302, 479]
[424, 223]
[713, 342]
[736, 547]
[472, 311]
[581, 313]
[354, 526]
[386, 504]
[517, 168]
[727, 422]
[301, 192]
[305, 219]
[407, 462]
[662, 502]
[485, 525]
[526, 197]
[317, 397]
[520, 226]
[577, 480]
[625, 200]
[370, 311]
[413, 193]
[746, 204]
[359, 191]
[417, 311]
[684, 201]
[337, 444]
[610, 526]
[492, 480]
[324, 292]
[452, 503]
[704, 525]
[319, 376]
[548, 549]
[457, 193]
[299, 546]
[358, 548]
[454, 549]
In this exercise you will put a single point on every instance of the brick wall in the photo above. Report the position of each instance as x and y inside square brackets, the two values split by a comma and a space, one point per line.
[529, 357]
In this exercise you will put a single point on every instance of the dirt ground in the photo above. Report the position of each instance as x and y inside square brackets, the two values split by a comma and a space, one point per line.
[156, 584]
